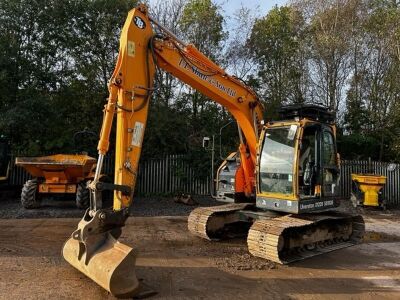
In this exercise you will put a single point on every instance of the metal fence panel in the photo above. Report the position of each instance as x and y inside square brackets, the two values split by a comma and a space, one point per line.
[18, 175]
[173, 174]
[168, 175]
[391, 191]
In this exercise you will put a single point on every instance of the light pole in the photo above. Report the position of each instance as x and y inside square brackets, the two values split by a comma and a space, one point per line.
[206, 146]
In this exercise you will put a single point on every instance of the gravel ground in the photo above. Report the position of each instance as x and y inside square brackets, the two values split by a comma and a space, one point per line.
[145, 207]
[10, 207]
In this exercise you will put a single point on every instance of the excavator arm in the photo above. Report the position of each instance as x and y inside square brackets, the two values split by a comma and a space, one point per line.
[93, 247]
[131, 85]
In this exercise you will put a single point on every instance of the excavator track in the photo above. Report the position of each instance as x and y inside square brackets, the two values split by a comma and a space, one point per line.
[207, 222]
[292, 238]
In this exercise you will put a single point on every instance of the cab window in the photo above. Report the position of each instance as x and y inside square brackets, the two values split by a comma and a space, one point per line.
[277, 158]
[328, 149]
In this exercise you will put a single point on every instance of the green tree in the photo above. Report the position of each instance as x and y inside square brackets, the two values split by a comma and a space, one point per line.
[330, 31]
[32, 62]
[202, 25]
[275, 43]
[56, 57]
[373, 98]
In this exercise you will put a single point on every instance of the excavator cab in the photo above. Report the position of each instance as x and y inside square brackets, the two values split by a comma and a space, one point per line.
[297, 183]
[298, 166]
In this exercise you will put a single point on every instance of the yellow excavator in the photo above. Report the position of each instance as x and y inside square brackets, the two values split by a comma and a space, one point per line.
[286, 180]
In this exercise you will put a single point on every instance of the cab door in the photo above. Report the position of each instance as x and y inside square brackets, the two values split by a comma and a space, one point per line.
[329, 165]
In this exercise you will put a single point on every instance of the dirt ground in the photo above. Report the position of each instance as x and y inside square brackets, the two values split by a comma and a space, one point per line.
[179, 266]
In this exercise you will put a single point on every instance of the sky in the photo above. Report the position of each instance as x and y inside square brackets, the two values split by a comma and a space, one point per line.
[230, 6]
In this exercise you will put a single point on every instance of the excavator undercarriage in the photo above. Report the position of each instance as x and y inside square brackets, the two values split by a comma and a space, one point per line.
[280, 238]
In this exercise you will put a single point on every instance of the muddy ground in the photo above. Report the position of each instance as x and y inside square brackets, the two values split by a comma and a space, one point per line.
[179, 266]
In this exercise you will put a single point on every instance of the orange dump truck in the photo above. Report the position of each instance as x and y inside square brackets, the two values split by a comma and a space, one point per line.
[56, 174]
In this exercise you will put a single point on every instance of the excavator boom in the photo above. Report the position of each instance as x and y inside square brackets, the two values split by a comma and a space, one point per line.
[93, 247]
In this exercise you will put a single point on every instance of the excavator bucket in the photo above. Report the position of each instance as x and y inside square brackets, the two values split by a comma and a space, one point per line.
[103, 259]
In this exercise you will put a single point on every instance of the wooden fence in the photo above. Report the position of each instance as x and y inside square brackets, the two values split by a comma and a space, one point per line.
[174, 174]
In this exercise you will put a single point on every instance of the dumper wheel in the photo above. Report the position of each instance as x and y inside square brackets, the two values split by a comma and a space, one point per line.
[29, 197]
[82, 196]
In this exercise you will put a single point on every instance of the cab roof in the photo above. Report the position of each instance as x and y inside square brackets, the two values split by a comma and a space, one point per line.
[311, 111]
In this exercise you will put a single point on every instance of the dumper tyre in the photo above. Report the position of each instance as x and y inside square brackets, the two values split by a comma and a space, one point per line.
[29, 195]
[82, 195]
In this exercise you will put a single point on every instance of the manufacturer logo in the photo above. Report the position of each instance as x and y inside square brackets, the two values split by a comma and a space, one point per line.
[139, 22]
